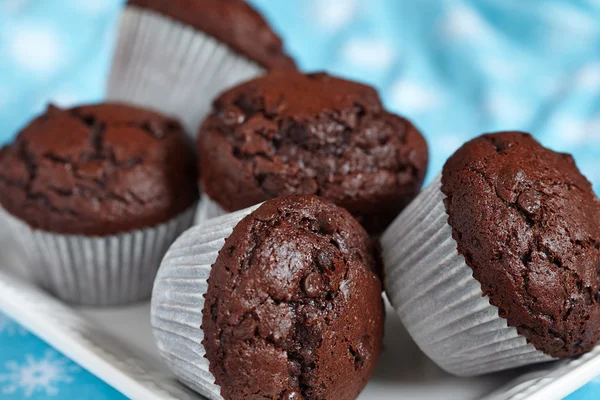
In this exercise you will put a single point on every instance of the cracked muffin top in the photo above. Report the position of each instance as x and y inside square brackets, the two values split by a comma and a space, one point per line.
[98, 170]
[295, 292]
[289, 133]
[528, 224]
[233, 22]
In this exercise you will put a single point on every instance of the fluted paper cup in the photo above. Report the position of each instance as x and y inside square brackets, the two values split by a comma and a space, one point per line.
[97, 270]
[178, 301]
[172, 67]
[207, 209]
[439, 301]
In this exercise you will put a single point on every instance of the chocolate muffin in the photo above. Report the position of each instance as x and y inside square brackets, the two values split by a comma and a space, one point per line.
[98, 170]
[292, 308]
[495, 264]
[528, 224]
[199, 49]
[233, 22]
[289, 133]
[95, 195]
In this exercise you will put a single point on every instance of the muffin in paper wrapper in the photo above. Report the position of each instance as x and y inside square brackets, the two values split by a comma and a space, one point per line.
[440, 303]
[172, 67]
[178, 300]
[97, 270]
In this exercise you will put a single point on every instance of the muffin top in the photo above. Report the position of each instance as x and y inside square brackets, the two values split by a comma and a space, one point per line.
[98, 170]
[294, 291]
[233, 22]
[290, 133]
[528, 224]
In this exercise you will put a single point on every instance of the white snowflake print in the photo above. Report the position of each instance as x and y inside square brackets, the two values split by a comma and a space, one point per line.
[9, 327]
[42, 375]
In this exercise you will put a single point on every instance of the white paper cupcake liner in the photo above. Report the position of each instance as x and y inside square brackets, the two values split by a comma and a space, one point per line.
[178, 300]
[171, 67]
[207, 209]
[98, 270]
[439, 301]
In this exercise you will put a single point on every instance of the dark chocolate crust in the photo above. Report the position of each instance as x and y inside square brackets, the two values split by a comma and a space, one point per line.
[294, 307]
[290, 133]
[528, 224]
[233, 22]
[98, 170]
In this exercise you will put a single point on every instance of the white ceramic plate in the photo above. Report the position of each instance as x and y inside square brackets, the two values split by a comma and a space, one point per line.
[117, 345]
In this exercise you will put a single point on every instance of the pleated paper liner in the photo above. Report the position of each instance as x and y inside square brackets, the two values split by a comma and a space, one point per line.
[172, 67]
[97, 270]
[439, 301]
[207, 209]
[178, 300]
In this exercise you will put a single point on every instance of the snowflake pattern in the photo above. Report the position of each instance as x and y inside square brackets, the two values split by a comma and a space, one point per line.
[8, 327]
[37, 375]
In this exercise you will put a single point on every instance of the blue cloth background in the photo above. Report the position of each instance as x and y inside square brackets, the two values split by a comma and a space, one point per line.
[457, 68]
[31, 369]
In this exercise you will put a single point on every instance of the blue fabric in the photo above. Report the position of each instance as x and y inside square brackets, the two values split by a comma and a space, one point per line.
[591, 391]
[31, 369]
[457, 68]
[52, 50]
[460, 68]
